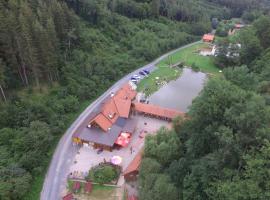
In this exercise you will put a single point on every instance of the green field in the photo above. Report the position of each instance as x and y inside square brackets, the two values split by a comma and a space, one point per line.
[190, 56]
[98, 192]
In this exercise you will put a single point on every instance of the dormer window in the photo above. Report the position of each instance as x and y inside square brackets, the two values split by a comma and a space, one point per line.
[111, 115]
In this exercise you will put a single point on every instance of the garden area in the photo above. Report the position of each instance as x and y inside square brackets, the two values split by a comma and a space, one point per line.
[99, 183]
[105, 173]
[98, 192]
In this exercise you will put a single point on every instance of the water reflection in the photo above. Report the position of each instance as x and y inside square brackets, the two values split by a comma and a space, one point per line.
[179, 94]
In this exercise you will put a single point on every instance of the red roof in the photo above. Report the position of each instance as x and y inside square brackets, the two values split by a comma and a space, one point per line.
[238, 26]
[109, 110]
[68, 197]
[157, 111]
[88, 187]
[123, 107]
[208, 37]
[118, 105]
[132, 197]
[134, 165]
[76, 185]
[102, 121]
[126, 92]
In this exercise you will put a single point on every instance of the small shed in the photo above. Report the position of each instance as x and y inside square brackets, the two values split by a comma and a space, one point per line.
[238, 26]
[76, 186]
[88, 187]
[68, 197]
[208, 37]
[132, 171]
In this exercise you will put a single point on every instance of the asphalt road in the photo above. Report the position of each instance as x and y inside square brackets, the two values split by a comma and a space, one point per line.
[55, 179]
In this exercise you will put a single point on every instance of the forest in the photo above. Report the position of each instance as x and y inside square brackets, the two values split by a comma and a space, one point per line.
[57, 56]
[222, 150]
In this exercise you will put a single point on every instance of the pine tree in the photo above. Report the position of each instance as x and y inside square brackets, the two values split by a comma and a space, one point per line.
[53, 44]
[155, 7]
[27, 39]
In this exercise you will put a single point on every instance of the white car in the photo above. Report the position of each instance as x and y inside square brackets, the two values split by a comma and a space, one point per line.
[134, 81]
[136, 76]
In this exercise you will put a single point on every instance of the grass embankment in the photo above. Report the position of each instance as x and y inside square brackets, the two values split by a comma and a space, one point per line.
[189, 57]
[157, 78]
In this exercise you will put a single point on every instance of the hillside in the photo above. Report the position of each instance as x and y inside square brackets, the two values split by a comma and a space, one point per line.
[57, 56]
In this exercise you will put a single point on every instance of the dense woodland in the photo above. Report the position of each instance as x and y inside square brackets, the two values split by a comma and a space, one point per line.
[56, 55]
[222, 150]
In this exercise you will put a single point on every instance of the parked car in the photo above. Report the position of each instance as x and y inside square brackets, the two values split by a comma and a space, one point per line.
[136, 76]
[99, 151]
[134, 81]
[142, 73]
[146, 71]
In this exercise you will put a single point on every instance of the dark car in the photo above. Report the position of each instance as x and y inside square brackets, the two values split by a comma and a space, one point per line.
[99, 151]
[146, 71]
[142, 73]
[134, 79]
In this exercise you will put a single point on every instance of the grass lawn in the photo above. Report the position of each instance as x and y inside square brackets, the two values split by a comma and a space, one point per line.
[99, 192]
[190, 56]
[149, 84]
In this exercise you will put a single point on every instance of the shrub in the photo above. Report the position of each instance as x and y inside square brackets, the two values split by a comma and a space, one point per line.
[102, 174]
[194, 67]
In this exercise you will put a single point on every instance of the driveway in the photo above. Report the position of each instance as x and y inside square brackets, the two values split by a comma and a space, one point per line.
[65, 152]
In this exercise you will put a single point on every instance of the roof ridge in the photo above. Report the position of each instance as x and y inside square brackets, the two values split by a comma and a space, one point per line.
[116, 106]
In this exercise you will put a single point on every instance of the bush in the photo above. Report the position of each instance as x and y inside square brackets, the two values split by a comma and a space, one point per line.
[102, 174]
[194, 67]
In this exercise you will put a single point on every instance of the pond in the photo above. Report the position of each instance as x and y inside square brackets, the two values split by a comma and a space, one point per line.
[178, 94]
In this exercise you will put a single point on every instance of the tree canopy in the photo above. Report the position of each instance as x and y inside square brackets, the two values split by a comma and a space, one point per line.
[56, 56]
[223, 147]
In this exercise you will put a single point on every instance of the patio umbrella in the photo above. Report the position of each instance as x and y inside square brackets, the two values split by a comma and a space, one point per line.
[116, 160]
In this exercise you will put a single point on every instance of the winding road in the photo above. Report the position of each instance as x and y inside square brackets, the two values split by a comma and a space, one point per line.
[55, 179]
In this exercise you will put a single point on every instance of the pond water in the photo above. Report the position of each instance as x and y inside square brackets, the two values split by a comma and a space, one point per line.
[178, 94]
